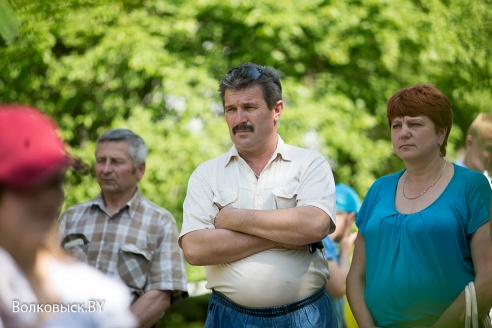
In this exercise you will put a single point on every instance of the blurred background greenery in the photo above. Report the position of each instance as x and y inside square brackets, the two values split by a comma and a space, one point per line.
[153, 66]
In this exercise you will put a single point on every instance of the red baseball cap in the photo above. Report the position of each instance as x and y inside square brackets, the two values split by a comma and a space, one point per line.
[31, 151]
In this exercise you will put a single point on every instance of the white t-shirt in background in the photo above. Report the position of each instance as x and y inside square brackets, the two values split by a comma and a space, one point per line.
[88, 297]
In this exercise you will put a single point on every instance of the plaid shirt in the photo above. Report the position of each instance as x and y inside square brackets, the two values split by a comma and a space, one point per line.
[138, 244]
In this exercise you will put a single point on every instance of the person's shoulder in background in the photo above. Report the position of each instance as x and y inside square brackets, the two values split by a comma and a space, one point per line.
[105, 298]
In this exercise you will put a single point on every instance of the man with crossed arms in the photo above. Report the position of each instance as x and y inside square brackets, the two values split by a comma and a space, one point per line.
[251, 214]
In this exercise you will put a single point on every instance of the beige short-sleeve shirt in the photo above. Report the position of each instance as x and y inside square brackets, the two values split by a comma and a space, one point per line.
[293, 177]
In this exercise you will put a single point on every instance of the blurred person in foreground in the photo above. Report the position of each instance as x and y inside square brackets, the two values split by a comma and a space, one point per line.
[251, 214]
[339, 245]
[423, 231]
[478, 146]
[123, 234]
[39, 285]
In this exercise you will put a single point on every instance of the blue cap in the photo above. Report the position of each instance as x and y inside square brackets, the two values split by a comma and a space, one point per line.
[347, 198]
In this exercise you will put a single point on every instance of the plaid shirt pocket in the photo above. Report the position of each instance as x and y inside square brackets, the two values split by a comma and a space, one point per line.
[133, 266]
[77, 245]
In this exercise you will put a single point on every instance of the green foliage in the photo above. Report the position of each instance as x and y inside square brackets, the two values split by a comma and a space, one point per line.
[195, 273]
[9, 23]
[154, 66]
[190, 313]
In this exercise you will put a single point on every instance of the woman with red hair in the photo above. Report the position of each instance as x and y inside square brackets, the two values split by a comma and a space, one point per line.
[423, 231]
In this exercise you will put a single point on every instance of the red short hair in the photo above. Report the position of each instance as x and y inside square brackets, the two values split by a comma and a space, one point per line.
[422, 100]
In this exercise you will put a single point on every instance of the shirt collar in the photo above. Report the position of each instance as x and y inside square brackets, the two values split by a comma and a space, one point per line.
[131, 205]
[281, 151]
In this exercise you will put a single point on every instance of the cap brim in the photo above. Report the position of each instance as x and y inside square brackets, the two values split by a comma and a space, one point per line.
[35, 175]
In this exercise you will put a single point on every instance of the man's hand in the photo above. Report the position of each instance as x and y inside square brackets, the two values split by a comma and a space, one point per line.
[225, 213]
[150, 307]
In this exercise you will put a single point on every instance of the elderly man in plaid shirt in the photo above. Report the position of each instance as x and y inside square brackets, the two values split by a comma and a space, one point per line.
[123, 234]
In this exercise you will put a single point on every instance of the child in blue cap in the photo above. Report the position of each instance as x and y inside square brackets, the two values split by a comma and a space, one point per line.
[338, 246]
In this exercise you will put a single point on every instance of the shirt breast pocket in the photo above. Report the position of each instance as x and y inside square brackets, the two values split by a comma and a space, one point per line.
[77, 245]
[286, 197]
[225, 197]
[133, 266]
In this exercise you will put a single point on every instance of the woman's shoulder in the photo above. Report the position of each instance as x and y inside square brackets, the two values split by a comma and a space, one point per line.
[470, 177]
[387, 180]
[463, 170]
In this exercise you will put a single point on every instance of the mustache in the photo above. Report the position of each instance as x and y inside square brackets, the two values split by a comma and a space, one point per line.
[243, 127]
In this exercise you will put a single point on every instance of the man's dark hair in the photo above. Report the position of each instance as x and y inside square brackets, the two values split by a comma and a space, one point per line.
[247, 75]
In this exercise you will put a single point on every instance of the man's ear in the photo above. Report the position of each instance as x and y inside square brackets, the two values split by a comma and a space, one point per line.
[279, 107]
[140, 171]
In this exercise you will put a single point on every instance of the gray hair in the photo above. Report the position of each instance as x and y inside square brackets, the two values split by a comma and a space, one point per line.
[266, 77]
[137, 148]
